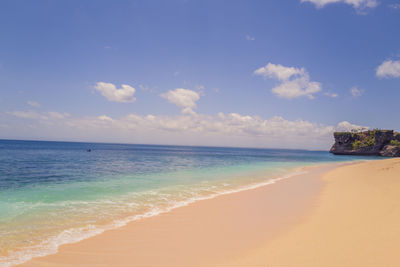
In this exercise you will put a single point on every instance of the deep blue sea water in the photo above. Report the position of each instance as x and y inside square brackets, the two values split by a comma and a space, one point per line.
[53, 193]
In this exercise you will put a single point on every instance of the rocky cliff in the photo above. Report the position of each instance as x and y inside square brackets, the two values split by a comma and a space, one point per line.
[369, 143]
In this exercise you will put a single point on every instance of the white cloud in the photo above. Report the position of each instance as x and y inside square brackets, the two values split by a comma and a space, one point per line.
[39, 115]
[295, 82]
[104, 118]
[333, 95]
[394, 6]
[33, 104]
[183, 98]
[357, 4]
[297, 88]
[278, 71]
[250, 38]
[57, 115]
[108, 90]
[346, 126]
[356, 92]
[222, 129]
[27, 114]
[389, 68]
[200, 89]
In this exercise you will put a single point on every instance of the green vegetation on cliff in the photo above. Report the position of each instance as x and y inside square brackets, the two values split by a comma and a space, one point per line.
[395, 143]
[373, 143]
[367, 141]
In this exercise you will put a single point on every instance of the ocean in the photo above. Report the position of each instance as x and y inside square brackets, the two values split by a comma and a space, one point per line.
[53, 193]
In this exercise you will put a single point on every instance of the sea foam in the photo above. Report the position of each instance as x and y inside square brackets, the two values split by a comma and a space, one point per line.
[51, 245]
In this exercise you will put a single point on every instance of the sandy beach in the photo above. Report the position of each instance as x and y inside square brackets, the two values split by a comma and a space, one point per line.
[199, 133]
[334, 215]
[355, 223]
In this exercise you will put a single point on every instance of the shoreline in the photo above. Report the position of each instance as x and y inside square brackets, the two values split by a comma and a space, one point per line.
[292, 213]
[72, 236]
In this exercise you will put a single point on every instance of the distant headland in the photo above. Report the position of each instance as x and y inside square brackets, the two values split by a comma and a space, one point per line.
[376, 142]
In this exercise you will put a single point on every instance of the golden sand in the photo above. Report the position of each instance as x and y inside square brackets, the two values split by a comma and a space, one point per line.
[356, 223]
[348, 216]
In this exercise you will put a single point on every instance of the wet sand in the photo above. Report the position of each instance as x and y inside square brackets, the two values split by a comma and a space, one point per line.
[346, 215]
[207, 232]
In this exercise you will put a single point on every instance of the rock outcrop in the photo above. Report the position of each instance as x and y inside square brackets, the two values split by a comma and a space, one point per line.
[390, 151]
[368, 143]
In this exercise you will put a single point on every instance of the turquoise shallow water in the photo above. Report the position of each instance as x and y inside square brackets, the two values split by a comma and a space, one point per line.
[53, 193]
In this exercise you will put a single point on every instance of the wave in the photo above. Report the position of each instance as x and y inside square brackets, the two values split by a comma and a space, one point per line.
[51, 245]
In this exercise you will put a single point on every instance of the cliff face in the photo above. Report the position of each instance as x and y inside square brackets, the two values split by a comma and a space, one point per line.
[369, 143]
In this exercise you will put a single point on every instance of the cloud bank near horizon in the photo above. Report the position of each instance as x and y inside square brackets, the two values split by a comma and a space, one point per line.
[222, 129]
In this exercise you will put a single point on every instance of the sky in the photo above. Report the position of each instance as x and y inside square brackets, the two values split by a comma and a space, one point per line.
[249, 73]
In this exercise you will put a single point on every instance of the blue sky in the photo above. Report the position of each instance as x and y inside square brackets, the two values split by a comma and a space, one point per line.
[63, 65]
